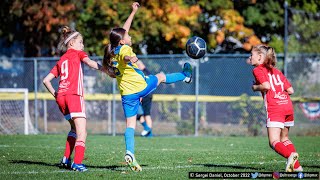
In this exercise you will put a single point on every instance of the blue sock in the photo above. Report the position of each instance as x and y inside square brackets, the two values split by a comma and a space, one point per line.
[150, 134]
[174, 77]
[129, 139]
[145, 126]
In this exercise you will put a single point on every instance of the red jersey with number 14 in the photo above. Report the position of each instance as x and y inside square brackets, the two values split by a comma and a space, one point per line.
[69, 69]
[276, 98]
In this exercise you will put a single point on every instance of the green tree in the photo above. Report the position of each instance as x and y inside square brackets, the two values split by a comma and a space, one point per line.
[267, 20]
[161, 25]
[220, 22]
[35, 23]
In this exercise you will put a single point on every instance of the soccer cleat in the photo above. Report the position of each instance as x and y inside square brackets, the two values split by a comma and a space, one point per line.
[145, 133]
[79, 167]
[65, 163]
[291, 161]
[132, 162]
[187, 70]
[299, 169]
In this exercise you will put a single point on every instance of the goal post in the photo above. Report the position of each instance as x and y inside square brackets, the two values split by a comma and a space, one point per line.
[14, 112]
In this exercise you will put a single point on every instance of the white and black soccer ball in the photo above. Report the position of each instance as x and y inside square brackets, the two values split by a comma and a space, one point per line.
[196, 47]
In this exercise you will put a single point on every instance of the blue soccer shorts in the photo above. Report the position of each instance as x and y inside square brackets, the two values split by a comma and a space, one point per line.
[131, 102]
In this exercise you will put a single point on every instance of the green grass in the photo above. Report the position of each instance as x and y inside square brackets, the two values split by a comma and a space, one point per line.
[37, 156]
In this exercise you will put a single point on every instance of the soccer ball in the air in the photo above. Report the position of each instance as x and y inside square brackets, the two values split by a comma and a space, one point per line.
[196, 47]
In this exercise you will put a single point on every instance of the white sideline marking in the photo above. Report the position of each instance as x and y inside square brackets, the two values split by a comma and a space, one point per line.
[124, 168]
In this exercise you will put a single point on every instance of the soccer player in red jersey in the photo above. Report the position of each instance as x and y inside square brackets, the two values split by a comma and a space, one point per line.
[276, 91]
[69, 96]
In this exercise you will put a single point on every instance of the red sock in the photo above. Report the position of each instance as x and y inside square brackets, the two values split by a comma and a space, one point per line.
[281, 149]
[79, 152]
[71, 140]
[291, 148]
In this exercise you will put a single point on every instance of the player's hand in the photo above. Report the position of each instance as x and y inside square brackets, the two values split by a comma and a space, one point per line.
[253, 87]
[253, 84]
[135, 6]
[111, 72]
[134, 59]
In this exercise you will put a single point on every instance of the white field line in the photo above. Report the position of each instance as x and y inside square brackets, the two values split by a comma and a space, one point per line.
[144, 168]
[140, 149]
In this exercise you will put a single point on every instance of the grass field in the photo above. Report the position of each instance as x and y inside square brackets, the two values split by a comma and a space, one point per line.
[37, 156]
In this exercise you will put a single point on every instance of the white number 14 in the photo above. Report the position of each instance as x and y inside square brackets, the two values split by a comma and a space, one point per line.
[275, 81]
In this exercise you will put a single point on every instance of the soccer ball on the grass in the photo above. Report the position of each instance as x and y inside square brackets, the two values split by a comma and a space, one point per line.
[196, 47]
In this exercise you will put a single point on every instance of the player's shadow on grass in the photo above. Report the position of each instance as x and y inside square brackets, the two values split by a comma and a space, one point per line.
[33, 162]
[112, 167]
[228, 166]
[311, 166]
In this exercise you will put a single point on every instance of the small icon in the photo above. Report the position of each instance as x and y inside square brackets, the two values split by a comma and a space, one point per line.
[300, 175]
[276, 175]
[254, 175]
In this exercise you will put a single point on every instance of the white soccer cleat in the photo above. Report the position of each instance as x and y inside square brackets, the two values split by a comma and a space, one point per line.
[291, 161]
[132, 162]
[145, 133]
[299, 169]
[187, 70]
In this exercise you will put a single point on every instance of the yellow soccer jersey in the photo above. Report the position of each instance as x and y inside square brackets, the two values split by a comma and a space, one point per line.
[129, 77]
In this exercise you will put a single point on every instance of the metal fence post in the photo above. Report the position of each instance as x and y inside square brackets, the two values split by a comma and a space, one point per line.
[35, 63]
[113, 107]
[285, 38]
[45, 116]
[196, 116]
[109, 117]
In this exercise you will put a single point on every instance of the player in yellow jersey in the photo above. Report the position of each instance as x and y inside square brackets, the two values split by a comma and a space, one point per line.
[133, 84]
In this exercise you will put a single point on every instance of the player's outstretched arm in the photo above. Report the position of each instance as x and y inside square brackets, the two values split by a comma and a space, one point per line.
[92, 64]
[128, 22]
[47, 83]
[97, 66]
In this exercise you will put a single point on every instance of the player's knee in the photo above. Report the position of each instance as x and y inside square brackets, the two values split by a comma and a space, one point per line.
[81, 136]
[161, 77]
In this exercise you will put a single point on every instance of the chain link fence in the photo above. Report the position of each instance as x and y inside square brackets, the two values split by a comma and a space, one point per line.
[218, 102]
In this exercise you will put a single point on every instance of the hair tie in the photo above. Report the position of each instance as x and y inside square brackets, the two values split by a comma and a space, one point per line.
[70, 37]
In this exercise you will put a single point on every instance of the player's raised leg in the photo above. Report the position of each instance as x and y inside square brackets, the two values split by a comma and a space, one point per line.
[185, 75]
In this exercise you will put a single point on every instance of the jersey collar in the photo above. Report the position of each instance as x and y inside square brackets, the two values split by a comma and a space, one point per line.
[117, 49]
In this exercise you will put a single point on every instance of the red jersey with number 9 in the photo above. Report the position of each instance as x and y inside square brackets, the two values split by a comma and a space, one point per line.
[69, 69]
[276, 98]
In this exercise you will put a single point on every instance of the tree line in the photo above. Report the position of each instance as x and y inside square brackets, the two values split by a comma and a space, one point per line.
[161, 27]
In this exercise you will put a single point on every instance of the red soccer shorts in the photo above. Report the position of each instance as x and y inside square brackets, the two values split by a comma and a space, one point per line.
[71, 106]
[278, 119]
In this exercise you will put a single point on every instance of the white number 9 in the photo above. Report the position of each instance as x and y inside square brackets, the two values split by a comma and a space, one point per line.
[64, 70]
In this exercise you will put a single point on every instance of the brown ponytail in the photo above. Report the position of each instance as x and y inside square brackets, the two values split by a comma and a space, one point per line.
[271, 59]
[115, 36]
[107, 59]
[270, 55]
